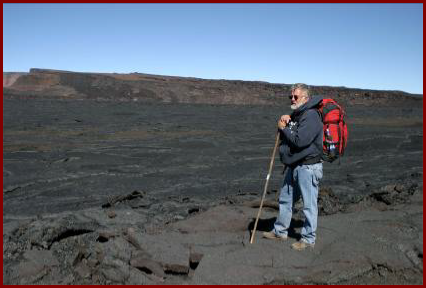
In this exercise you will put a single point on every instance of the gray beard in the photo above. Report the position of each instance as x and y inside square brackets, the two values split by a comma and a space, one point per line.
[295, 106]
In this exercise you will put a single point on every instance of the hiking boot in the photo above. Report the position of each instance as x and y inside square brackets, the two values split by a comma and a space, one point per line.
[301, 245]
[272, 235]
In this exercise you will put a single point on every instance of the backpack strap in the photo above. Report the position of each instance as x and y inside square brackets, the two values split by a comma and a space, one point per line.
[328, 107]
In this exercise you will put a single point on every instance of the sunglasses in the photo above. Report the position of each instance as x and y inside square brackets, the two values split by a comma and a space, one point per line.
[293, 96]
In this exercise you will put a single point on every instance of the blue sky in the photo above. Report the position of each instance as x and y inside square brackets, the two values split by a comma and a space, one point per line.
[371, 46]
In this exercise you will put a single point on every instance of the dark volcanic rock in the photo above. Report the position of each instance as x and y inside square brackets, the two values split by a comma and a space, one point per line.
[328, 203]
[203, 168]
[146, 264]
[395, 193]
[117, 199]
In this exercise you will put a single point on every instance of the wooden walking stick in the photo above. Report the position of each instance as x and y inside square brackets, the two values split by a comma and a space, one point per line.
[271, 164]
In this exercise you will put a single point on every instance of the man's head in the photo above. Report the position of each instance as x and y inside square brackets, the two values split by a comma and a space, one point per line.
[299, 95]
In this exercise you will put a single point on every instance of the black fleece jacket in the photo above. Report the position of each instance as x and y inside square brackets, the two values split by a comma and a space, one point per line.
[302, 139]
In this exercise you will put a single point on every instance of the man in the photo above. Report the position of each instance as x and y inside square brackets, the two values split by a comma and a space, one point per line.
[300, 150]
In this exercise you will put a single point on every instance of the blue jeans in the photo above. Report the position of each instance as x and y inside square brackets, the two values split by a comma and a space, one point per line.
[300, 181]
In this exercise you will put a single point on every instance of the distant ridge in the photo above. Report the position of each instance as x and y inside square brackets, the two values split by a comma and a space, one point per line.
[59, 84]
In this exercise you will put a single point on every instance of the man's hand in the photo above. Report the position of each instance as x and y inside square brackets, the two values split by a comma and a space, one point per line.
[282, 123]
[286, 118]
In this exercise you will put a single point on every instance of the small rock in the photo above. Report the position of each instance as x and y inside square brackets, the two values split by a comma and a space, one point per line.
[178, 217]
[268, 278]
[114, 275]
[130, 237]
[95, 279]
[42, 257]
[81, 254]
[83, 270]
[147, 265]
[67, 280]
[194, 259]
[104, 236]
[117, 248]
[29, 272]
[137, 277]
[111, 214]
[92, 262]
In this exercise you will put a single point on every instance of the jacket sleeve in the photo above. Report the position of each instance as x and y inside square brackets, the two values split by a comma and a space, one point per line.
[310, 125]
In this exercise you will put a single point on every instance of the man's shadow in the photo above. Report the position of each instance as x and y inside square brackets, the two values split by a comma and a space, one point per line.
[264, 225]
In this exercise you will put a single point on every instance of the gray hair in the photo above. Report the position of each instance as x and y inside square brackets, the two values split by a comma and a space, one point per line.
[303, 87]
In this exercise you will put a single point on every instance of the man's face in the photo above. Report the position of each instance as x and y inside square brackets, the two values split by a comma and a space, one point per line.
[297, 99]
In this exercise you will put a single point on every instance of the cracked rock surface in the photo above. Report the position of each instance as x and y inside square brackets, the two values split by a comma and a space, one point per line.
[135, 193]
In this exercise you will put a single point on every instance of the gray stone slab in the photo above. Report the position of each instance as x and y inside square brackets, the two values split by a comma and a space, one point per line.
[41, 257]
[166, 249]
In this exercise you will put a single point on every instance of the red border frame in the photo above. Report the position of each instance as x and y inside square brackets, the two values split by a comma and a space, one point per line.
[217, 1]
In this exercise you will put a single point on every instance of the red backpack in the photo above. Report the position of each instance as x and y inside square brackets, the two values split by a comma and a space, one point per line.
[335, 130]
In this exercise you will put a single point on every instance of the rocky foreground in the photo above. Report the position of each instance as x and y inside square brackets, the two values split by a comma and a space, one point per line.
[375, 241]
